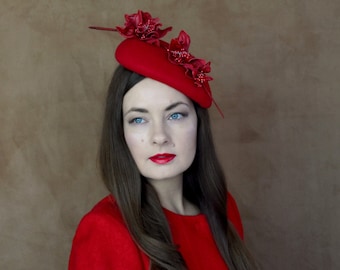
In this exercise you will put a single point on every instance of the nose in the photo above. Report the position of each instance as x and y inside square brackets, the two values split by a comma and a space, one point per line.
[160, 134]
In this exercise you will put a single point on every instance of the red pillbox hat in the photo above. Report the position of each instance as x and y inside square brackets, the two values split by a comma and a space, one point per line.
[145, 53]
[151, 61]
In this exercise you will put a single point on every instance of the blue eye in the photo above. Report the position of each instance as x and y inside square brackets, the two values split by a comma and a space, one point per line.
[176, 116]
[137, 120]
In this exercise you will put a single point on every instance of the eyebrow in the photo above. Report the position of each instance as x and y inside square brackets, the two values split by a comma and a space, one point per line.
[170, 107]
[174, 105]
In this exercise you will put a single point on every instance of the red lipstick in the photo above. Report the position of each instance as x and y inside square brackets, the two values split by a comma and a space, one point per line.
[162, 158]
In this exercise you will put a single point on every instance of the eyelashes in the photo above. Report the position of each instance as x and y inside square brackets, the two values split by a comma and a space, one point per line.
[136, 120]
[177, 116]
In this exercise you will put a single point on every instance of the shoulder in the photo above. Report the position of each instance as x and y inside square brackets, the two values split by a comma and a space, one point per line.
[102, 240]
[104, 220]
[103, 215]
[233, 215]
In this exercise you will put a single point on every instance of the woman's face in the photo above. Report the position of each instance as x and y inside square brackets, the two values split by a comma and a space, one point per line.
[160, 129]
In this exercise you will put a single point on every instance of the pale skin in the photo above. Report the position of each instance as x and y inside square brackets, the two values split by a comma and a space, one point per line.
[160, 129]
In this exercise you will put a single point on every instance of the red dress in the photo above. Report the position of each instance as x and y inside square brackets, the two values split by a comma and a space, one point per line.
[102, 241]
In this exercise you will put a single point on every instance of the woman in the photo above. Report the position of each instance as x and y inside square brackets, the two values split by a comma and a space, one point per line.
[169, 207]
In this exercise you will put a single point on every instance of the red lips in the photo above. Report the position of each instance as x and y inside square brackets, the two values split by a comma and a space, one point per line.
[162, 158]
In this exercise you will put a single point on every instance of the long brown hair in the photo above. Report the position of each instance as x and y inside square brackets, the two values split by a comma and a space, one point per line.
[204, 185]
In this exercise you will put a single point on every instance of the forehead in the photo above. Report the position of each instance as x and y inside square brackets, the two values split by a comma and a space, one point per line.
[152, 93]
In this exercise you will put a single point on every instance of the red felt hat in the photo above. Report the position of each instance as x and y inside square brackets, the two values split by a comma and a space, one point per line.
[152, 61]
[171, 63]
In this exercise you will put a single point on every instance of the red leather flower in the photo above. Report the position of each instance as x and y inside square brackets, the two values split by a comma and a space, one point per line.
[178, 53]
[179, 49]
[144, 27]
[198, 69]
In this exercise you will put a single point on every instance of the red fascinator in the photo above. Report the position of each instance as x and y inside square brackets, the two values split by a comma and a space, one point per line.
[145, 53]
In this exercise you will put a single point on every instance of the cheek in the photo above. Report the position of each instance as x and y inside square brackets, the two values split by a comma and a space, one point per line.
[130, 139]
[188, 139]
[193, 141]
[134, 142]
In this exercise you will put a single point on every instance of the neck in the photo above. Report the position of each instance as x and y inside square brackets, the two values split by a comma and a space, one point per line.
[170, 194]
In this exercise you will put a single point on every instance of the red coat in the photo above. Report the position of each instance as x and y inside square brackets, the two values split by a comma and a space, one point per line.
[102, 240]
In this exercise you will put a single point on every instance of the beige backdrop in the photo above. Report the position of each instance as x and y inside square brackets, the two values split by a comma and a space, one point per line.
[276, 76]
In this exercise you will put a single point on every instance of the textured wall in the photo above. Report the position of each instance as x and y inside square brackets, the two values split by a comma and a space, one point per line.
[276, 69]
